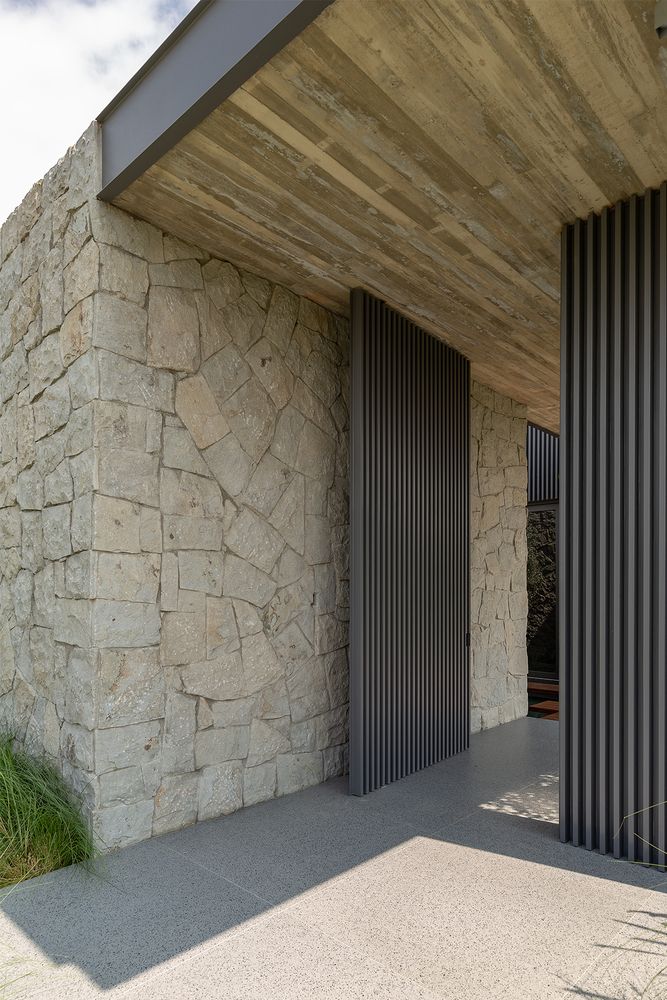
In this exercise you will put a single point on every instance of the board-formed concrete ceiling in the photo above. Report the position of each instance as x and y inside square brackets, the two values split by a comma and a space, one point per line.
[429, 151]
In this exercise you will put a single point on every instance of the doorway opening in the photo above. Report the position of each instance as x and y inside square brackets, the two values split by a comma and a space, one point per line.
[542, 574]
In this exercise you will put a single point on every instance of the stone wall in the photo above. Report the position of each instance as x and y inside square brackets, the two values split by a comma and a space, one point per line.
[174, 542]
[498, 557]
[174, 528]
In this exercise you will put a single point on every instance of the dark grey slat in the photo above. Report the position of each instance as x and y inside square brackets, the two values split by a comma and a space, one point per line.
[410, 548]
[613, 530]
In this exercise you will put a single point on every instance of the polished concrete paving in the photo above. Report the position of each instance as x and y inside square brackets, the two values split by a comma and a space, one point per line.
[449, 884]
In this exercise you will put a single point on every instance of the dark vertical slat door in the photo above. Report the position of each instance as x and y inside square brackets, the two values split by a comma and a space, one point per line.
[409, 679]
[613, 538]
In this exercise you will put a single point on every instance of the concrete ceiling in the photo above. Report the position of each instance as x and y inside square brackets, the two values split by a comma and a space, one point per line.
[429, 151]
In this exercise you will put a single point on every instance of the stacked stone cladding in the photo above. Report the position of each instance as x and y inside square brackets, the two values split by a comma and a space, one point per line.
[498, 557]
[174, 523]
[174, 540]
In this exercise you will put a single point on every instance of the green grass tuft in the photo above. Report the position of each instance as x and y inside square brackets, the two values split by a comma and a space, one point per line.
[41, 824]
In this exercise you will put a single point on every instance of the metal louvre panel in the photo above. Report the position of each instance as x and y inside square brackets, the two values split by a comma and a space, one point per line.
[409, 506]
[613, 538]
[542, 450]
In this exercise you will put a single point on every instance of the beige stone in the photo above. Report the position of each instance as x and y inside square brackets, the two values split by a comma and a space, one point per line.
[215, 746]
[201, 571]
[119, 326]
[254, 540]
[181, 532]
[220, 789]
[125, 623]
[298, 771]
[183, 638]
[197, 408]
[219, 678]
[230, 464]
[173, 329]
[129, 475]
[130, 382]
[129, 686]
[128, 577]
[251, 416]
[246, 582]
[115, 525]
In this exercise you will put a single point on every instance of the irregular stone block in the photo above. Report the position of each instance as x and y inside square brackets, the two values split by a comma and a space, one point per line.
[267, 484]
[215, 746]
[230, 464]
[281, 318]
[150, 530]
[191, 533]
[298, 771]
[115, 525]
[123, 824]
[261, 666]
[180, 725]
[221, 632]
[244, 320]
[119, 326]
[169, 582]
[183, 637]
[125, 746]
[72, 622]
[186, 494]
[225, 372]
[123, 273]
[130, 475]
[201, 571]
[52, 409]
[177, 274]
[173, 329]
[316, 454]
[220, 790]
[130, 382]
[125, 623]
[288, 516]
[123, 577]
[271, 371]
[197, 408]
[30, 489]
[246, 582]
[44, 364]
[175, 803]
[219, 679]
[267, 739]
[56, 531]
[255, 541]
[58, 486]
[81, 276]
[180, 451]
[252, 418]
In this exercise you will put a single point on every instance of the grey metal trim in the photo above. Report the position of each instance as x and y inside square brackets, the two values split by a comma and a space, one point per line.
[542, 449]
[613, 542]
[214, 50]
[409, 512]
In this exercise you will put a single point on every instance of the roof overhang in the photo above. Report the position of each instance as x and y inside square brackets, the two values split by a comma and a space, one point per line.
[215, 49]
[429, 151]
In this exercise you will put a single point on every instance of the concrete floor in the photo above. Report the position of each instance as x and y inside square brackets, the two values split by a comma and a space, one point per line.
[451, 883]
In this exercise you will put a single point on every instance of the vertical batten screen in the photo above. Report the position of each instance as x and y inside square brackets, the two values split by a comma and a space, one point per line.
[542, 448]
[410, 530]
[613, 539]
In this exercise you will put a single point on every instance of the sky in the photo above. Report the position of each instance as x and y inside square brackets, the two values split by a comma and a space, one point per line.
[61, 62]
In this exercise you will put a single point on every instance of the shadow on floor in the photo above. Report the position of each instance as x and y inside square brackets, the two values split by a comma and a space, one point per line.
[446, 831]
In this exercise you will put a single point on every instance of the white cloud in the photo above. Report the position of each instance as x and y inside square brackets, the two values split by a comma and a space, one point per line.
[61, 62]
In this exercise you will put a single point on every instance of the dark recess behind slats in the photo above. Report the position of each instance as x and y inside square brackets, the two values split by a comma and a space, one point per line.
[613, 508]
[542, 448]
[410, 538]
